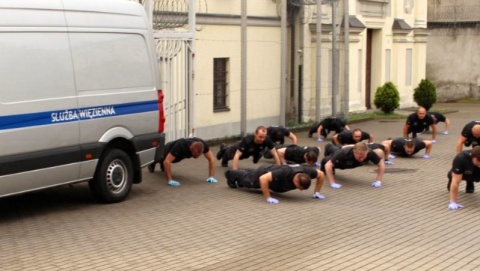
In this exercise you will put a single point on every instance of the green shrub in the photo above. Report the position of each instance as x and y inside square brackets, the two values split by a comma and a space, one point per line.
[425, 94]
[387, 98]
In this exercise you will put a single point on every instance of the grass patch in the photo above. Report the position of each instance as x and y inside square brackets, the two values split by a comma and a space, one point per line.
[294, 124]
[466, 100]
[442, 110]
[375, 115]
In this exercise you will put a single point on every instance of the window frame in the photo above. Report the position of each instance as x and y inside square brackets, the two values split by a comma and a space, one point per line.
[220, 84]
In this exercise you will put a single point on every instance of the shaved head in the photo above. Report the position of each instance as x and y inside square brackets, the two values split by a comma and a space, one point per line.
[476, 130]
[421, 112]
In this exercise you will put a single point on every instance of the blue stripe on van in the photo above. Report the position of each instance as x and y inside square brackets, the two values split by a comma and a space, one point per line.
[75, 114]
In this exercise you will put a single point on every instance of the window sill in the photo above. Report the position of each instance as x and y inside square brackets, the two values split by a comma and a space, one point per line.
[223, 109]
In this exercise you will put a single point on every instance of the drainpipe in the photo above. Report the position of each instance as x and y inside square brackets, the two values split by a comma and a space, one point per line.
[300, 65]
[243, 87]
[346, 38]
[334, 59]
[283, 63]
[191, 87]
[318, 78]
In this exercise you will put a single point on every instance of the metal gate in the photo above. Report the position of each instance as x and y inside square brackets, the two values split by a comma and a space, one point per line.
[173, 59]
[175, 49]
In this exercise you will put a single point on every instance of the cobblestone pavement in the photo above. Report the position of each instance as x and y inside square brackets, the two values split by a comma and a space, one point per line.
[405, 225]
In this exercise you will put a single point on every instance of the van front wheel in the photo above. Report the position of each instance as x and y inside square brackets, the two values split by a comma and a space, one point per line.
[113, 178]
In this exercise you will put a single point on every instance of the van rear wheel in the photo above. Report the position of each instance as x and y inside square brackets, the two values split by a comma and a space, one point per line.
[113, 178]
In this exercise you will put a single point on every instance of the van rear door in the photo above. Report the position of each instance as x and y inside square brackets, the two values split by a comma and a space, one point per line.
[115, 73]
[39, 129]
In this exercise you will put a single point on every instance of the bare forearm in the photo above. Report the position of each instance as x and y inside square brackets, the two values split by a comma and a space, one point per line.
[320, 178]
[428, 149]
[329, 171]
[335, 140]
[281, 157]
[211, 163]
[167, 166]
[405, 130]
[381, 170]
[264, 186]
[235, 163]
[387, 151]
[275, 156]
[319, 132]
[293, 138]
[211, 168]
[459, 145]
[454, 190]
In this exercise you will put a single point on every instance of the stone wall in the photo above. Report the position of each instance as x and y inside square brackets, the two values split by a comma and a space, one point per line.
[453, 48]
[453, 64]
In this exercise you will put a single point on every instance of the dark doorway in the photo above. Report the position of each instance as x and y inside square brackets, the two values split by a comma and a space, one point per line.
[368, 69]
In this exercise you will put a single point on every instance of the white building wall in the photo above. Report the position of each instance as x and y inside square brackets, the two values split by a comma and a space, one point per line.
[221, 39]
[217, 42]
[234, 7]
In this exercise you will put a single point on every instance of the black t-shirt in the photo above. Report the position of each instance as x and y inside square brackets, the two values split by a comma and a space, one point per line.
[296, 153]
[463, 164]
[346, 137]
[398, 144]
[374, 146]
[282, 176]
[418, 125]
[180, 148]
[248, 146]
[277, 133]
[334, 124]
[345, 159]
[438, 117]
[467, 132]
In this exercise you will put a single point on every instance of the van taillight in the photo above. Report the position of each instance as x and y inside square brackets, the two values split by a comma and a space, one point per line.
[161, 113]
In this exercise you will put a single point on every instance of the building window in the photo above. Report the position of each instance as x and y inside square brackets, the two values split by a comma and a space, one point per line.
[408, 4]
[360, 68]
[387, 65]
[408, 68]
[220, 84]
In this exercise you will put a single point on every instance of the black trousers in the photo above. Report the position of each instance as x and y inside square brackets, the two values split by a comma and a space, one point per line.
[160, 156]
[470, 183]
[243, 177]
[230, 153]
[414, 132]
[331, 149]
[314, 128]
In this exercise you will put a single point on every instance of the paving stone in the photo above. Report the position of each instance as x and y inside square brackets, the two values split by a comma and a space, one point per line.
[405, 225]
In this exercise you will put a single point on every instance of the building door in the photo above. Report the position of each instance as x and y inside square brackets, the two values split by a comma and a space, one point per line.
[368, 70]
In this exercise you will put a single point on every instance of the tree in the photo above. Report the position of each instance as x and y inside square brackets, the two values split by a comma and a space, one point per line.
[425, 94]
[387, 98]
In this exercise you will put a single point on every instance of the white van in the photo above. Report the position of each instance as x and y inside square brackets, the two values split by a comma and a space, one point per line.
[79, 96]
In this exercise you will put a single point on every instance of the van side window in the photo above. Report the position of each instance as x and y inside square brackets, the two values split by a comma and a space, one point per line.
[25, 57]
[93, 53]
